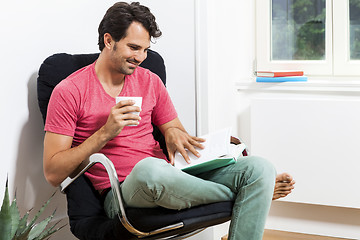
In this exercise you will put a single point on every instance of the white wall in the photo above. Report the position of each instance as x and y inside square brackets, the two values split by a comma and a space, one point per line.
[177, 47]
[231, 51]
[34, 30]
[31, 31]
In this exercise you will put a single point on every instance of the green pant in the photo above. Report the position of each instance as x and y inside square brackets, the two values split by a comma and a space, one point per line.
[250, 182]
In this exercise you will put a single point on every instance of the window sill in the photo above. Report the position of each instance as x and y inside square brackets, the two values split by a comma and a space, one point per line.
[309, 86]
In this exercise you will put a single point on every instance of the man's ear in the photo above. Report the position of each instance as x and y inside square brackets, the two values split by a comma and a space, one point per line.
[108, 41]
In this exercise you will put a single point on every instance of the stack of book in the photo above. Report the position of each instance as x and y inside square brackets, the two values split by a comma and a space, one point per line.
[280, 76]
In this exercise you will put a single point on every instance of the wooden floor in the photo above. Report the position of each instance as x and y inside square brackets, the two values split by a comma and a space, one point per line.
[280, 235]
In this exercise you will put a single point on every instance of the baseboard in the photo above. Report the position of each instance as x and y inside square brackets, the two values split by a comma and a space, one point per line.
[283, 235]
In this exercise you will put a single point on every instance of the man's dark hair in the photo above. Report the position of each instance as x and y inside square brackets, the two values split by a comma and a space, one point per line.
[119, 17]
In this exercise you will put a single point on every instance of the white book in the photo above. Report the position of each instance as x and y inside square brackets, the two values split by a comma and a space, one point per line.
[218, 152]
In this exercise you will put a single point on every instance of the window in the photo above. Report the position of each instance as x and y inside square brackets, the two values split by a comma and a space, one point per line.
[354, 18]
[321, 37]
[299, 29]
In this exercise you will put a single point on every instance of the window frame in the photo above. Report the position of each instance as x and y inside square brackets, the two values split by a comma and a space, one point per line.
[337, 60]
[343, 66]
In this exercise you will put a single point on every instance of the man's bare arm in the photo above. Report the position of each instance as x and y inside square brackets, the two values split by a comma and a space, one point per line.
[177, 139]
[60, 160]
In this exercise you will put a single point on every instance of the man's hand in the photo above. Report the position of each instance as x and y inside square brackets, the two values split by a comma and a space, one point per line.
[121, 115]
[177, 140]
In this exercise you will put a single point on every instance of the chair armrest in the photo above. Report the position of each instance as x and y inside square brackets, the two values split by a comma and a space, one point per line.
[114, 182]
[110, 169]
[115, 187]
[237, 141]
[84, 166]
[88, 163]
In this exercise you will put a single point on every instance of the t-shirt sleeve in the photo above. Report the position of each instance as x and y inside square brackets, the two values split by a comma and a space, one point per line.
[62, 109]
[164, 110]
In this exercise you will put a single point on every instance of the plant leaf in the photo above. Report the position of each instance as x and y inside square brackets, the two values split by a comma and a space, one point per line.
[40, 227]
[49, 231]
[5, 216]
[23, 236]
[13, 227]
[22, 224]
[15, 220]
[41, 210]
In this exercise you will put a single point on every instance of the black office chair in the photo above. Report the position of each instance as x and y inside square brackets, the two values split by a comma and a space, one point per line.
[85, 205]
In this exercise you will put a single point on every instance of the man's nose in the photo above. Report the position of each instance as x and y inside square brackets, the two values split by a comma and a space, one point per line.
[140, 56]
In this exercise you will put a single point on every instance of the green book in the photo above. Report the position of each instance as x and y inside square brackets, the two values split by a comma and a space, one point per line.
[209, 165]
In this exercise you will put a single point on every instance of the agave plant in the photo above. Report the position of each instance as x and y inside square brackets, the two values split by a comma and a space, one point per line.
[14, 227]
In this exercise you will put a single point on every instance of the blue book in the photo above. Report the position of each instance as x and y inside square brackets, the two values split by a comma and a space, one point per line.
[282, 79]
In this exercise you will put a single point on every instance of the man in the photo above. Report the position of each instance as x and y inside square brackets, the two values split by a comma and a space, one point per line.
[83, 119]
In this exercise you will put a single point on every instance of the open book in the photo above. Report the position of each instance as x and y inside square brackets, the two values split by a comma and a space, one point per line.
[218, 152]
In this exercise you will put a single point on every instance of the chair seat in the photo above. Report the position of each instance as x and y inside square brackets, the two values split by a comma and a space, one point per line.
[84, 203]
[148, 219]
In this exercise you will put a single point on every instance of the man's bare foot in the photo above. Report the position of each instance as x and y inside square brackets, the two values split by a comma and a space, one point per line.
[284, 184]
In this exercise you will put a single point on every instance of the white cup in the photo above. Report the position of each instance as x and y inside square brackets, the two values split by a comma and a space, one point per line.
[137, 100]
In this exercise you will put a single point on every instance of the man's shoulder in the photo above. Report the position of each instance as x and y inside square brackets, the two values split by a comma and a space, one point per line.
[76, 83]
[78, 78]
[82, 74]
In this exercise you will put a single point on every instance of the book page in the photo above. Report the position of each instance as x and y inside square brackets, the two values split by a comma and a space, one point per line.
[216, 145]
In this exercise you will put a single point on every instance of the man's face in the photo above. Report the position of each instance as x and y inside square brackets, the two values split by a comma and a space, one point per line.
[131, 50]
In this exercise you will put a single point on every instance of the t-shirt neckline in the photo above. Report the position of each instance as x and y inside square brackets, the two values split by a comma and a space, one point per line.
[102, 88]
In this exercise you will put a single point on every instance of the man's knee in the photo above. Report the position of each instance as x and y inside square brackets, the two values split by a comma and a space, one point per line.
[148, 170]
[260, 167]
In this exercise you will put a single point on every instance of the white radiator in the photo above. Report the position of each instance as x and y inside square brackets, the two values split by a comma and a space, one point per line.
[317, 141]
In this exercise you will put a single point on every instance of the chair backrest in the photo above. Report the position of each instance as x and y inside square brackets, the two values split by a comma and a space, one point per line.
[58, 66]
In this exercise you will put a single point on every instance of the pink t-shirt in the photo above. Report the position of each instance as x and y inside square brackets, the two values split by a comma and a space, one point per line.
[79, 106]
